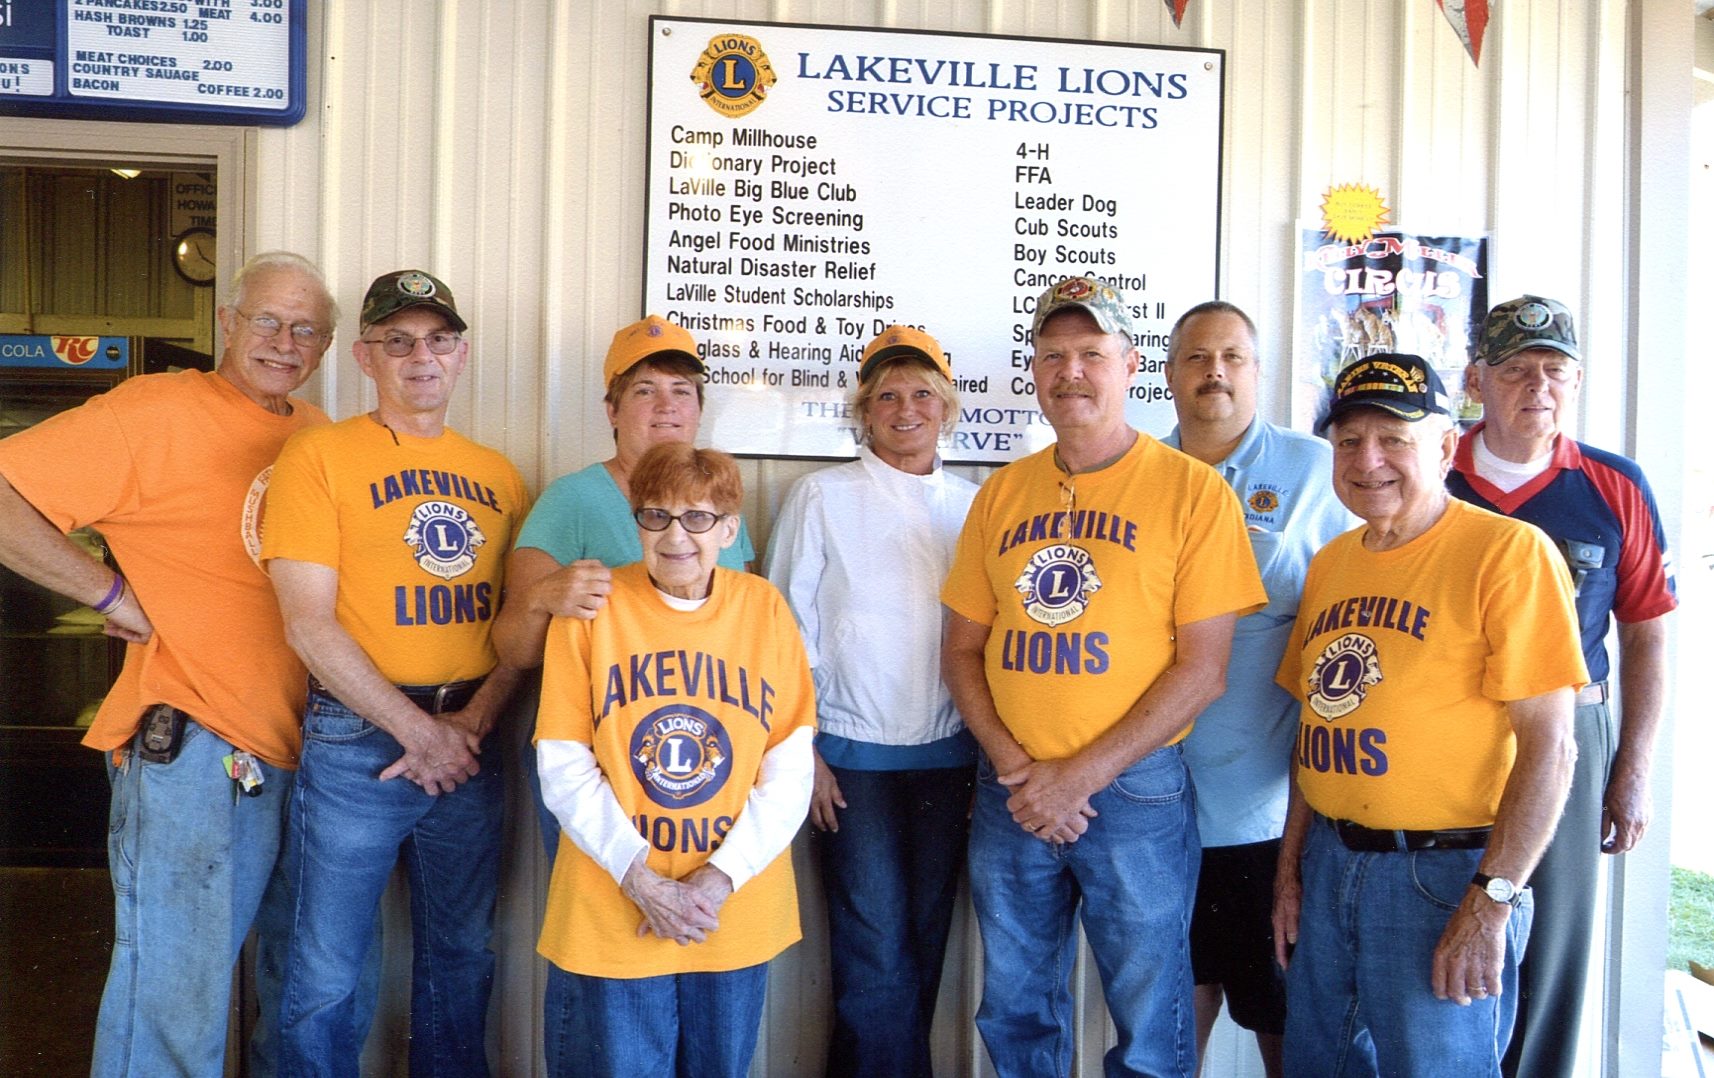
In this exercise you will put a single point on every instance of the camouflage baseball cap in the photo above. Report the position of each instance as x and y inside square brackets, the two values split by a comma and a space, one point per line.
[1527, 322]
[1403, 385]
[1100, 299]
[393, 292]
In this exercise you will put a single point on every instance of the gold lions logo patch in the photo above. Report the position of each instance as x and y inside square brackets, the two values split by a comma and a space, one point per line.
[733, 75]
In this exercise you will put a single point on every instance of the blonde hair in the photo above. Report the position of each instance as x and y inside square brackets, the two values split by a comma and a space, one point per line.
[864, 397]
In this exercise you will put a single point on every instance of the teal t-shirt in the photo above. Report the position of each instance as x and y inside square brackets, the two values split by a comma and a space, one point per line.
[583, 515]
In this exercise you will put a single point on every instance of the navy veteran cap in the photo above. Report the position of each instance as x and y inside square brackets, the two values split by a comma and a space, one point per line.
[1403, 385]
[394, 292]
[1526, 322]
[1100, 299]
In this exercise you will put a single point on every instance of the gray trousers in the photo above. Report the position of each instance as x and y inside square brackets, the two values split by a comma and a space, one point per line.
[1556, 962]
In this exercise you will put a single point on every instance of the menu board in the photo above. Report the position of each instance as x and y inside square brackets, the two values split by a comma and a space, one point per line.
[809, 186]
[178, 61]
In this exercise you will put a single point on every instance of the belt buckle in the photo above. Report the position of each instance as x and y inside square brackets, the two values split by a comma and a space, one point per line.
[441, 693]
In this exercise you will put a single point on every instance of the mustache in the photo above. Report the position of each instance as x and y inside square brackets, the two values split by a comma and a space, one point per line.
[1214, 387]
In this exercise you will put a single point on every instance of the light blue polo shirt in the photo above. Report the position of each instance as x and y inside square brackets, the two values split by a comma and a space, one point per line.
[1240, 751]
[583, 515]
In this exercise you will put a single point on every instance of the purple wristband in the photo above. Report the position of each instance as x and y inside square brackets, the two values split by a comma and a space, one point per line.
[115, 596]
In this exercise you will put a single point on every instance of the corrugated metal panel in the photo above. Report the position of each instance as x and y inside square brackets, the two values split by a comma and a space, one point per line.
[501, 145]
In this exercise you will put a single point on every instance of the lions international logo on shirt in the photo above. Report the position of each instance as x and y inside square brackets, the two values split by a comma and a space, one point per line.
[444, 538]
[1057, 582]
[681, 755]
[1344, 672]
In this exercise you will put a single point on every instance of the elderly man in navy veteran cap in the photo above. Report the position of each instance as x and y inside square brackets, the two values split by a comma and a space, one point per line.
[1597, 508]
[1435, 653]
[386, 537]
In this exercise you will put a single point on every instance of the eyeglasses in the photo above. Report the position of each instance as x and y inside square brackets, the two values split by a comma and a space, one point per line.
[399, 345]
[694, 521]
[304, 334]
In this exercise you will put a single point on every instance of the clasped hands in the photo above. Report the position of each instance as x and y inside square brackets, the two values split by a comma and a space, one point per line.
[684, 911]
[1049, 800]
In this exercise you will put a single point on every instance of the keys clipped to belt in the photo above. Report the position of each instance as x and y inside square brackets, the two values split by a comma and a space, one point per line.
[246, 774]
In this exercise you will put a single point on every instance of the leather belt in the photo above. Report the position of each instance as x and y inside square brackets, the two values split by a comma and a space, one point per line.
[1592, 694]
[1360, 839]
[434, 699]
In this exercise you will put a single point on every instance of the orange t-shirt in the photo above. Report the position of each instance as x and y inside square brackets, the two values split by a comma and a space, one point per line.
[172, 469]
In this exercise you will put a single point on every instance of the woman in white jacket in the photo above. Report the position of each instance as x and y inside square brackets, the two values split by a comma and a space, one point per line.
[860, 551]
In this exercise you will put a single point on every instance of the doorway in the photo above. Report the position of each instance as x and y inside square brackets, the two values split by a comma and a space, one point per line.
[112, 244]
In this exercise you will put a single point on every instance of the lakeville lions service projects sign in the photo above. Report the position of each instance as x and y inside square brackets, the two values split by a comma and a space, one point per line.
[809, 186]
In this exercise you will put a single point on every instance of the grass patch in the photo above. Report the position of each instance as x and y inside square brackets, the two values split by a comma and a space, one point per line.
[1690, 919]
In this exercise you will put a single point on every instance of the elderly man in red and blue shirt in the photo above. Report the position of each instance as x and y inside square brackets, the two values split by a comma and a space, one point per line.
[1597, 508]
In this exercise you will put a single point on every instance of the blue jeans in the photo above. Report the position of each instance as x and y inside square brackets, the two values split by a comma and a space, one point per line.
[347, 831]
[189, 862]
[891, 873]
[1133, 873]
[681, 1025]
[1358, 998]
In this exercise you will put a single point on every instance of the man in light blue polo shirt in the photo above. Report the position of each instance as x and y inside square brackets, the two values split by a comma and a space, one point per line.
[1240, 751]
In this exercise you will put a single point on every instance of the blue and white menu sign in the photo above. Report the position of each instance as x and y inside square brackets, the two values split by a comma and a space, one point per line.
[168, 61]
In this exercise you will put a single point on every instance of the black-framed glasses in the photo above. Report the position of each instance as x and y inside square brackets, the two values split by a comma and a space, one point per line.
[694, 521]
[398, 345]
[303, 334]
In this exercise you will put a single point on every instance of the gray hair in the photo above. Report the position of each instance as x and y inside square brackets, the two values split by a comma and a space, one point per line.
[284, 261]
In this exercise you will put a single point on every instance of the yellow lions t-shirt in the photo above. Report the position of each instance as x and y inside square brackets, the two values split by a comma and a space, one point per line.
[679, 707]
[1084, 581]
[418, 529]
[1404, 660]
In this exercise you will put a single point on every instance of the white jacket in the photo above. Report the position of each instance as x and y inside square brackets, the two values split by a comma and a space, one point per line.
[860, 551]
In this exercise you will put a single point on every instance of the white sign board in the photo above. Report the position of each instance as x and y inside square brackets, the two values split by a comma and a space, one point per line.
[809, 186]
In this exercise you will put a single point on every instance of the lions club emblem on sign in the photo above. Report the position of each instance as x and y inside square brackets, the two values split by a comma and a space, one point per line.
[681, 755]
[1057, 583]
[733, 74]
[1344, 672]
[444, 539]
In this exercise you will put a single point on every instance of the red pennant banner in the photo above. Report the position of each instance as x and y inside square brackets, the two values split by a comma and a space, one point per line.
[1177, 8]
[1470, 19]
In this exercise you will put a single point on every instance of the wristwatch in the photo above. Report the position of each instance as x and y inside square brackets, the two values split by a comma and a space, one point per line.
[1499, 889]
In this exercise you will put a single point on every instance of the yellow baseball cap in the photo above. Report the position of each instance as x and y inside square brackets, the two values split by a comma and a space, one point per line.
[895, 341]
[645, 338]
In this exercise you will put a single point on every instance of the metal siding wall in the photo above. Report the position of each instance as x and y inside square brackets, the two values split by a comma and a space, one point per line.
[501, 145]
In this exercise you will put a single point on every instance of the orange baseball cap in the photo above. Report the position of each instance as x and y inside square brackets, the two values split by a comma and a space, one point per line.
[647, 337]
[896, 341]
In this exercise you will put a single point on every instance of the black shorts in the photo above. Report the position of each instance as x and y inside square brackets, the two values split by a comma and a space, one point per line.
[1232, 933]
